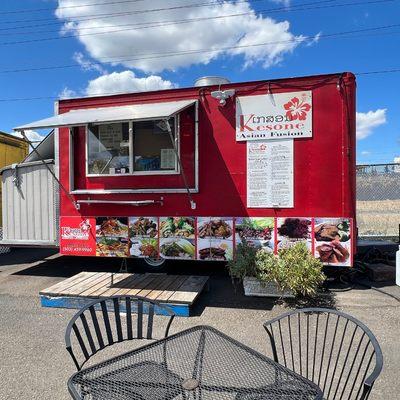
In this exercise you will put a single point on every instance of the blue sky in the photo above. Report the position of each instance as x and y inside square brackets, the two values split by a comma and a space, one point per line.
[297, 46]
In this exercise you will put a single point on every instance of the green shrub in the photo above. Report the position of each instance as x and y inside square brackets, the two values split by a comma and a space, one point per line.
[244, 263]
[294, 269]
[301, 270]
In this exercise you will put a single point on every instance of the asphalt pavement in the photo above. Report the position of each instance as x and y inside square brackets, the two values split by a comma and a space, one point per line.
[34, 363]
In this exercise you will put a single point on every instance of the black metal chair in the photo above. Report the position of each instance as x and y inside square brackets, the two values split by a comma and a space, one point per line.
[332, 349]
[92, 328]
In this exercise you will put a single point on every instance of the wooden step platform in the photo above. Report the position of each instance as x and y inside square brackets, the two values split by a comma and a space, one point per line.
[177, 291]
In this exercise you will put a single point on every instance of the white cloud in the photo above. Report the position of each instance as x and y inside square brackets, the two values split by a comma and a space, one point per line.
[367, 122]
[365, 153]
[147, 43]
[286, 3]
[125, 81]
[396, 160]
[86, 64]
[314, 40]
[67, 93]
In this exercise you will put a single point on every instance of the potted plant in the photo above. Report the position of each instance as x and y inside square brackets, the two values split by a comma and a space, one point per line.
[293, 272]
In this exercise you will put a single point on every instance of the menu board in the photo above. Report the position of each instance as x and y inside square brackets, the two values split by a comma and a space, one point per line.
[270, 174]
[167, 159]
[110, 135]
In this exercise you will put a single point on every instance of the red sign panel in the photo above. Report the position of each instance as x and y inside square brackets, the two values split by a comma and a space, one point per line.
[78, 236]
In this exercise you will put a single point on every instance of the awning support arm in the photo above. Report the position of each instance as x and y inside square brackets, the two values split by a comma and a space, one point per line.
[76, 205]
[168, 126]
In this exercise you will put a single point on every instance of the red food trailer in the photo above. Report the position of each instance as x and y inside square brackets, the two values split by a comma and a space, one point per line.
[189, 173]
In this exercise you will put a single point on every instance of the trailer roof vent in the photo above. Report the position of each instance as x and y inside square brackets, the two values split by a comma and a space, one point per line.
[211, 80]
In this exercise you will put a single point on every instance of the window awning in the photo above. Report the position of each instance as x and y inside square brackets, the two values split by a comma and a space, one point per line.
[111, 114]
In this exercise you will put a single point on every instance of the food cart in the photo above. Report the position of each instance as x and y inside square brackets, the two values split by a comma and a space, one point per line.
[189, 173]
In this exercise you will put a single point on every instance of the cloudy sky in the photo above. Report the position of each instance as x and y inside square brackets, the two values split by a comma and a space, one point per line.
[65, 48]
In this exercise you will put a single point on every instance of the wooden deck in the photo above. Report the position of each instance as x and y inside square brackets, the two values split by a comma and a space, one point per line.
[177, 291]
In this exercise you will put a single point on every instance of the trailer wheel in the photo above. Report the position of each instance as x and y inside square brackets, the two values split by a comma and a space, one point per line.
[155, 263]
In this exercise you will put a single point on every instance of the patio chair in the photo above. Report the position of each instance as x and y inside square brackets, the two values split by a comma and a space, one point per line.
[93, 328]
[332, 349]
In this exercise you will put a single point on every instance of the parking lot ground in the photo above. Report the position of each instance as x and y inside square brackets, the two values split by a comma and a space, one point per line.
[35, 365]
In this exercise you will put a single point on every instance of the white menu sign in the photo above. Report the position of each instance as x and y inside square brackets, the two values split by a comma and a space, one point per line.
[274, 116]
[167, 159]
[110, 135]
[270, 174]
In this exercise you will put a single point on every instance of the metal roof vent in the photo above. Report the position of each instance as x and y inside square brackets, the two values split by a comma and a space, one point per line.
[211, 81]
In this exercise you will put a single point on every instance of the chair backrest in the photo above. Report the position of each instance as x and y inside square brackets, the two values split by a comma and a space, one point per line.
[94, 327]
[332, 349]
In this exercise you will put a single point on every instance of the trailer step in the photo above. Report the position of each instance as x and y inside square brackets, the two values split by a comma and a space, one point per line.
[179, 292]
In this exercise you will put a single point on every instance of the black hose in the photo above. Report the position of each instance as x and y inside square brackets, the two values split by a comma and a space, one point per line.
[348, 276]
[378, 290]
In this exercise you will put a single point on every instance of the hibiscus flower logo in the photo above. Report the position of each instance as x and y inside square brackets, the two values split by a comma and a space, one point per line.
[85, 226]
[297, 109]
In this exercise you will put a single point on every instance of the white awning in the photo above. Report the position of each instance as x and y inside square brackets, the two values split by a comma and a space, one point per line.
[111, 114]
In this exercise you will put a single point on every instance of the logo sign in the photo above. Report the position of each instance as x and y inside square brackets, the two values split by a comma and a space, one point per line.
[274, 116]
[78, 236]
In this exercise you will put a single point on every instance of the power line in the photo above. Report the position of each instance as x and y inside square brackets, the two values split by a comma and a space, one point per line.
[275, 10]
[133, 12]
[28, 10]
[157, 24]
[114, 93]
[157, 55]
[74, 36]
[388, 71]
[144, 24]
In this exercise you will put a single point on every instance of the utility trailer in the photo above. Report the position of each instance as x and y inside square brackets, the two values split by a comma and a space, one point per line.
[190, 173]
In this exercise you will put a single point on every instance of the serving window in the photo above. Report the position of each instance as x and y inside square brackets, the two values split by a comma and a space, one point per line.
[152, 147]
[108, 149]
[133, 156]
[131, 148]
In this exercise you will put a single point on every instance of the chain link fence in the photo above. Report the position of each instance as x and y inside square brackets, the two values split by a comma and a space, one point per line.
[378, 200]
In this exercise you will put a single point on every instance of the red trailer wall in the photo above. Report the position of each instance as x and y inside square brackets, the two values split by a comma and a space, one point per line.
[324, 165]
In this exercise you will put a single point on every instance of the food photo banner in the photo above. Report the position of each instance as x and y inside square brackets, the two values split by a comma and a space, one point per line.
[204, 238]
[274, 116]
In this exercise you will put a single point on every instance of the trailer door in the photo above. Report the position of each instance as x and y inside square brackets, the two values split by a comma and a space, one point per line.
[30, 205]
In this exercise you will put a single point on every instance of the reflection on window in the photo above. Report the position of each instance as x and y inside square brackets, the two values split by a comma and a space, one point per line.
[152, 147]
[108, 149]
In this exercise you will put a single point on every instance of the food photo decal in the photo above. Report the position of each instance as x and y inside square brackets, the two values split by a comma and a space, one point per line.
[143, 227]
[177, 248]
[332, 238]
[215, 238]
[255, 228]
[177, 227]
[215, 228]
[112, 226]
[295, 228]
